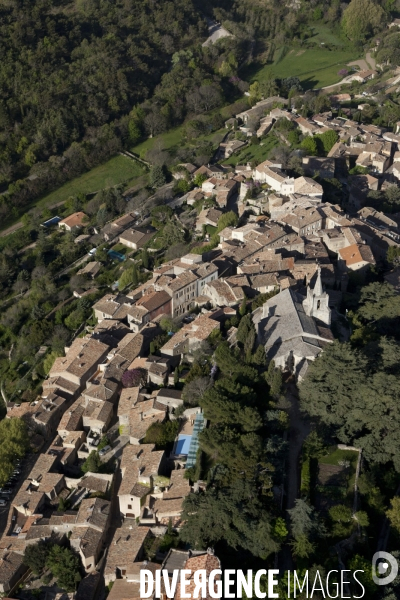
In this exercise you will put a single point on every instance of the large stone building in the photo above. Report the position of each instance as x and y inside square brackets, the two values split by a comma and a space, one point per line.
[293, 328]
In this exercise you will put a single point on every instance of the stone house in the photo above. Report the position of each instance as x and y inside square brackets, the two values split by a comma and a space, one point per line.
[90, 529]
[123, 556]
[136, 238]
[139, 466]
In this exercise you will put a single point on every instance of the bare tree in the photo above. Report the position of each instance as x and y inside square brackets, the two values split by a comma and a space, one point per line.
[195, 390]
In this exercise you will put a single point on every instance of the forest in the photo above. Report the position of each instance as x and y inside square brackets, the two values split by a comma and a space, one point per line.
[79, 81]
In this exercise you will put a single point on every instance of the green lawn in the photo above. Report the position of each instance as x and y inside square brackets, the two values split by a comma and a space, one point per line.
[323, 34]
[172, 139]
[338, 455]
[315, 68]
[119, 169]
[258, 153]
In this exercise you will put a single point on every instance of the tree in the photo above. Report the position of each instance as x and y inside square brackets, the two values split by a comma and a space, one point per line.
[393, 513]
[145, 258]
[302, 546]
[65, 566]
[157, 176]
[172, 234]
[92, 464]
[229, 219]
[361, 408]
[259, 357]
[309, 145]
[280, 531]
[327, 140]
[243, 307]
[254, 93]
[14, 442]
[231, 514]
[393, 255]
[362, 18]
[304, 520]
[340, 513]
[35, 556]
[128, 277]
[134, 378]
[194, 391]
[161, 215]
[162, 434]
[269, 86]
[245, 328]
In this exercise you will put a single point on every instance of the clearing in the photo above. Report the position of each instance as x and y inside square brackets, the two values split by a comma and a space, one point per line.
[173, 139]
[315, 68]
[119, 169]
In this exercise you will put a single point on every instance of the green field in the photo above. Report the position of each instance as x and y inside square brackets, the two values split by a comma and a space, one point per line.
[323, 34]
[258, 153]
[315, 68]
[119, 169]
[173, 139]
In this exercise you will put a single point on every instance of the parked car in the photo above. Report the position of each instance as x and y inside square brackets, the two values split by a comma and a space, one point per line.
[6, 493]
[3, 502]
[104, 450]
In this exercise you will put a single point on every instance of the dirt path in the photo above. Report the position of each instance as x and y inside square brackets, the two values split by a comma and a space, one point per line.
[364, 66]
[371, 61]
[11, 229]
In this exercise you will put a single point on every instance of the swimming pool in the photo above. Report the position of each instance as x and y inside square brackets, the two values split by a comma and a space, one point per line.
[116, 255]
[183, 444]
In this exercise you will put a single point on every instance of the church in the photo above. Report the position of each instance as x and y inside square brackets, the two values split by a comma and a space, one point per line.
[294, 329]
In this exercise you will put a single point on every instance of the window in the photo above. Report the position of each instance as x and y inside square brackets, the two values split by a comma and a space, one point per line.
[318, 304]
[129, 506]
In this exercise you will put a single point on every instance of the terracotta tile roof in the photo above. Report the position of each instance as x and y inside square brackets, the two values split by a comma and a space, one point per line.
[357, 253]
[153, 301]
[74, 220]
[207, 562]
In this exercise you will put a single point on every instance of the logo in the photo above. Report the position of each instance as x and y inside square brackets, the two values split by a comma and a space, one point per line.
[386, 566]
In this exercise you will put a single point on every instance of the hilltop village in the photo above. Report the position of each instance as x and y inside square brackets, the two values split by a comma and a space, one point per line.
[275, 253]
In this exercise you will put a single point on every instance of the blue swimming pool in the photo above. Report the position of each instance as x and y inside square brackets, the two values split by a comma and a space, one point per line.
[183, 444]
[116, 255]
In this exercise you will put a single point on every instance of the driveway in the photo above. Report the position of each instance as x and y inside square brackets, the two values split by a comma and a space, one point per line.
[364, 66]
